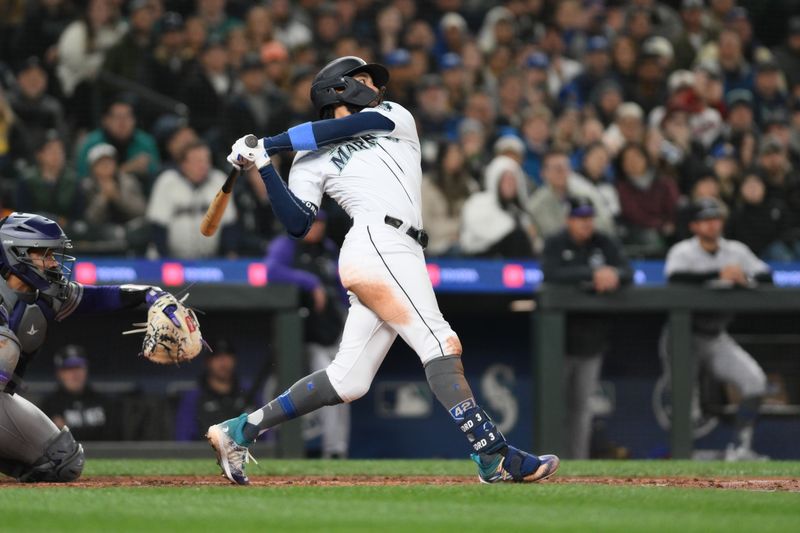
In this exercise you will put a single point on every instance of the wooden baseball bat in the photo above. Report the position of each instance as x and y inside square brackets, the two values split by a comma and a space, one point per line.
[210, 223]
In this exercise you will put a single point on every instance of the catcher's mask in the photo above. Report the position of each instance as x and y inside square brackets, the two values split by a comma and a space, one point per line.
[32, 248]
[334, 85]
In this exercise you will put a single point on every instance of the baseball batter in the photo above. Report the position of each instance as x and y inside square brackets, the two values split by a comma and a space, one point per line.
[35, 291]
[709, 258]
[365, 154]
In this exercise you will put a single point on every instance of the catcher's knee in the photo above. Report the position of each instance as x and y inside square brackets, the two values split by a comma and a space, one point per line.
[62, 460]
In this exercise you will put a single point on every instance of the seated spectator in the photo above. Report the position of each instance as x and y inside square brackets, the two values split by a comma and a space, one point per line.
[726, 168]
[175, 142]
[494, 221]
[112, 197]
[434, 116]
[582, 257]
[128, 59]
[13, 144]
[256, 106]
[171, 60]
[788, 54]
[706, 186]
[90, 415]
[769, 94]
[782, 181]
[597, 169]
[218, 394]
[680, 155]
[472, 138]
[648, 201]
[81, 51]
[547, 206]
[536, 131]
[762, 223]
[205, 92]
[136, 149]
[178, 202]
[215, 18]
[50, 187]
[444, 191]
[628, 127]
[36, 110]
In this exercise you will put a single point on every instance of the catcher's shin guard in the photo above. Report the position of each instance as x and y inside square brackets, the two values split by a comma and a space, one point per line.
[62, 461]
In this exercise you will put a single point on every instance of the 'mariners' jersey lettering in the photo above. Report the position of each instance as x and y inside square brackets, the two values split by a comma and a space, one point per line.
[341, 155]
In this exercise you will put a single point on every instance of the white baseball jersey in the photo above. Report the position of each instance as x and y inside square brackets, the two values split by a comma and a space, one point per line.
[690, 256]
[375, 172]
[381, 266]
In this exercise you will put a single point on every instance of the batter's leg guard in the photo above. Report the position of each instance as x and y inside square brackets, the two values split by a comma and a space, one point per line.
[62, 461]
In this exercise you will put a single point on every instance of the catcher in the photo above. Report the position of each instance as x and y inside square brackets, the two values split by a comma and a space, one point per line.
[35, 290]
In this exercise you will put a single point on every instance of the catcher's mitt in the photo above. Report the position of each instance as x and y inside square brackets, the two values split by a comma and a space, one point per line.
[171, 333]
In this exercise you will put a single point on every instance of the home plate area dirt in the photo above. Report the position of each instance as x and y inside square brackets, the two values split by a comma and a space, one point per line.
[760, 484]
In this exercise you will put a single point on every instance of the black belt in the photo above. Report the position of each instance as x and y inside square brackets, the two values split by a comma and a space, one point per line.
[418, 235]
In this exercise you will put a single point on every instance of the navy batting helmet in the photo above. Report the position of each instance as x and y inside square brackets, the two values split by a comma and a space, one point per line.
[334, 84]
[22, 232]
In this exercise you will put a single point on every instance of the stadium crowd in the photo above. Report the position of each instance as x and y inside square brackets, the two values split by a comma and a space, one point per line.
[115, 116]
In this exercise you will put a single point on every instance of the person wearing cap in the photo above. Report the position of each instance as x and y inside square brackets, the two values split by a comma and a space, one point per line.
[206, 91]
[215, 18]
[787, 55]
[695, 32]
[218, 393]
[137, 152]
[90, 415]
[562, 70]
[36, 110]
[171, 60]
[275, 57]
[769, 91]
[130, 57]
[312, 265]
[740, 117]
[454, 79]
[113, 198]
[736, 71]
[708, 259]
[582, 257]
[597, 63]
[535, 78]
[628, 127]
[434, 115]
[452, 34]
[781, 179]
[50, 186]
[255, 105]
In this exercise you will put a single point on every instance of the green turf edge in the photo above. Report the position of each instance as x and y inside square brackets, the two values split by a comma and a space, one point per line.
[416, 509]
[432, 467]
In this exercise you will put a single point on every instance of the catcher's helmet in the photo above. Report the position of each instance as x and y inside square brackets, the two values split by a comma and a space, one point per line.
[334, 84]
[21, 232]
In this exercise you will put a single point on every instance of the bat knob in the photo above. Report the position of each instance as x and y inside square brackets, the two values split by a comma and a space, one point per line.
[251, 141]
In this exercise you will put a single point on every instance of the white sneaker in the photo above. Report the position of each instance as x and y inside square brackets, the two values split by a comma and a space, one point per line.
[741, 453]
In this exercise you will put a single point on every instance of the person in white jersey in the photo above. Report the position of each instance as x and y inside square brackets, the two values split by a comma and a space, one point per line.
[365, 154]
[709, 259]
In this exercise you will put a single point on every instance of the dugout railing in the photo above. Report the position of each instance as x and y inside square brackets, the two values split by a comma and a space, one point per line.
[554, 303]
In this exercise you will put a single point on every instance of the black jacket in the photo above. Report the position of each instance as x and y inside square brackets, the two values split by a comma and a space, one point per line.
[568, 263]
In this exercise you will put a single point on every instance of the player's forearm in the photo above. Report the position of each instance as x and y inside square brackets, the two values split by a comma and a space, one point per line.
[103, 298]
[295, 214]
[312, 135]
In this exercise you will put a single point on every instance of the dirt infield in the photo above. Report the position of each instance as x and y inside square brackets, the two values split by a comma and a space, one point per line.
[762, 484]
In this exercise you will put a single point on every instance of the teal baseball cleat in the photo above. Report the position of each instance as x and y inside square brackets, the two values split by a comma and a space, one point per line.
[515, 465]
[232, 449]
